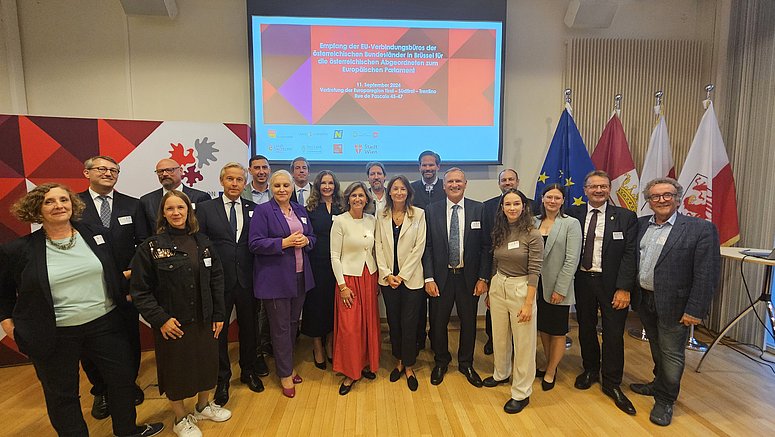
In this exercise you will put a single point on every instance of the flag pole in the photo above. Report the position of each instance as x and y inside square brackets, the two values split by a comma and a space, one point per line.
[567, 99]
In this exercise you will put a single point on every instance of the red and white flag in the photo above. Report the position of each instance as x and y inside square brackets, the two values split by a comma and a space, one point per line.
[709, 187]
[612, 155]
[658, 162]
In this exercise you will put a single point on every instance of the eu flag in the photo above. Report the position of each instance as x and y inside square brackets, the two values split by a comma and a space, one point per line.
[566, 163]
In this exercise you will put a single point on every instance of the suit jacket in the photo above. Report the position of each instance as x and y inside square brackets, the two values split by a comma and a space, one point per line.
[235, 256]
[477, 259]
[294, 198]
[421, 198]
[348, 241]
[274, 268]
[686, 275]
[124, 220]
[149, 208]
[561, 258]
[620, 268]
[25, 292]
[411, 246]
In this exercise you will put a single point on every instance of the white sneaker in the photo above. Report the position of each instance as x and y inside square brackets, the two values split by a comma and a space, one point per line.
[187, 427]
[213, 412]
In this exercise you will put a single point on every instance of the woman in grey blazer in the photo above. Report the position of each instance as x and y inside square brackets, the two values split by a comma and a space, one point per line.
[562, 247]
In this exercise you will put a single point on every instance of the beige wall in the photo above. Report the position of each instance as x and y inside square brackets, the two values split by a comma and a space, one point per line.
[86, 58]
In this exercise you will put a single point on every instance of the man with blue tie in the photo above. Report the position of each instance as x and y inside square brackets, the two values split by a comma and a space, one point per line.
[120, 214]
[456, 265]
[679, 264]
[302, 188]
[226, 221]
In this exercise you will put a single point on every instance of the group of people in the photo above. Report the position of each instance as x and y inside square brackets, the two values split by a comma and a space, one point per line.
[293, 256]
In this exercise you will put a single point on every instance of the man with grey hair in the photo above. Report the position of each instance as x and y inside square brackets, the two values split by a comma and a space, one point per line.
[679, 264]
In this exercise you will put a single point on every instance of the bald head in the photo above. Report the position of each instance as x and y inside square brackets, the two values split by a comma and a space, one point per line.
[169, 173]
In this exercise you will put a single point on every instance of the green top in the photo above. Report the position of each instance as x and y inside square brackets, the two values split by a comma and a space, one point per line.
[77, 285]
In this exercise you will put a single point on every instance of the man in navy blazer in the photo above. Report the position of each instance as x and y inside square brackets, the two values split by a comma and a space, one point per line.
[605, 280]
[170, 175]
[228, 231]
[679, 264]
[120, 214]
[455, 279]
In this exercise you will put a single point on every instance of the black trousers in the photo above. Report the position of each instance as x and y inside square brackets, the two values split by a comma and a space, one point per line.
[591, 296]
[247, 305]
[422, 319]
[455, 294]
[131, 320]
[261, 327]
[401, 306]
[104, 342]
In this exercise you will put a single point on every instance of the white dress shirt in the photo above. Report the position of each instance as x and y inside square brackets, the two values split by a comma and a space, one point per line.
[597, 254]
[307, 191]
[461, 213]
[238, 208]
[98, 202]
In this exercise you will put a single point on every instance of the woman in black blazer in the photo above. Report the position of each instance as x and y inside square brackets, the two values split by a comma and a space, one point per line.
[59, 288]
[324, 203]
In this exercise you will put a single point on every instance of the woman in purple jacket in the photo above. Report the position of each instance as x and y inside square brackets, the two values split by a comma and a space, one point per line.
[280, 239]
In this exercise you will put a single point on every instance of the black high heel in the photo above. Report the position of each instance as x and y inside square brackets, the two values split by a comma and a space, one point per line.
[321, 365]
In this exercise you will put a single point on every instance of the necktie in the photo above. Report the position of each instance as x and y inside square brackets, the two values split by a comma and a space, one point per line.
[233, 219]
[589, 242]
[301, 197]
[105, 211]
[454, 237]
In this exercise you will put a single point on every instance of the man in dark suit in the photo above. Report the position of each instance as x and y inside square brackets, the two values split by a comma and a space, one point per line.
[605, 280]
[170, 175]
[679, 266]
[456, 264]
[507, 179]
[119, 213]
[302, 188]
[428, 189]
[226, 221]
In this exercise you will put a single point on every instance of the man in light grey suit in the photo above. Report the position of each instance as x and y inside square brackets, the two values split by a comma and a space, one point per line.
[679, 264]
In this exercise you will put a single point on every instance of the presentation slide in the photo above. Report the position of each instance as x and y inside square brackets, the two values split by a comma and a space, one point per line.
[336, 89]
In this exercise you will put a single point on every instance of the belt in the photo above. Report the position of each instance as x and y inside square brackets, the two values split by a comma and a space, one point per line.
[592, 274]
[456, 271]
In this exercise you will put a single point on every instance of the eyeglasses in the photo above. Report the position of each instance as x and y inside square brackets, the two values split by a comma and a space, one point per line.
[666, 196]
[170, 170]
[598, 187]
[103, 170]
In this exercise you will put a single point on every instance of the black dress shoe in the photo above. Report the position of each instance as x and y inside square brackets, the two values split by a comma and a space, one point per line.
[488, 347]
[99, 409]
[148, 429]
[514, 406]
[139, 395]
[437, 374]
[253, 382]
[221, 394]
[644, 389]
[344, 389]
[368, 374]
[620, 399]
[586, 379]
[471, 375]
[259, 367]
[492, 382]
[321, 365]
[395, 375]
[411, 382]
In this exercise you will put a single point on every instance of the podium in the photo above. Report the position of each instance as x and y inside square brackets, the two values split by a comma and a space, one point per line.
[765, 297]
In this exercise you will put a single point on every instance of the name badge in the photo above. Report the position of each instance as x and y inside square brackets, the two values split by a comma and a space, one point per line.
[250, 213]
[513, 245]
[476, 225]
[208, 262]
[193, 205]
[303, 220]
[125, 220]
[618, 235]
[99, 240]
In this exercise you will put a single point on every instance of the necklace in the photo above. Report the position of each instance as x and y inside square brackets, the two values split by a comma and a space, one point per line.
[63, 246]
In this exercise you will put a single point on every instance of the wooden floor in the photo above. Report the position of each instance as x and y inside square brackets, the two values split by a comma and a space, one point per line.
[732, 396]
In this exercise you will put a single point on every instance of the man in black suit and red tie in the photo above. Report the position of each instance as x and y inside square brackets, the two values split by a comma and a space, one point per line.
[170, 175]
[120, 214]
[456, 265]
[226, 221]
[605, 281]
